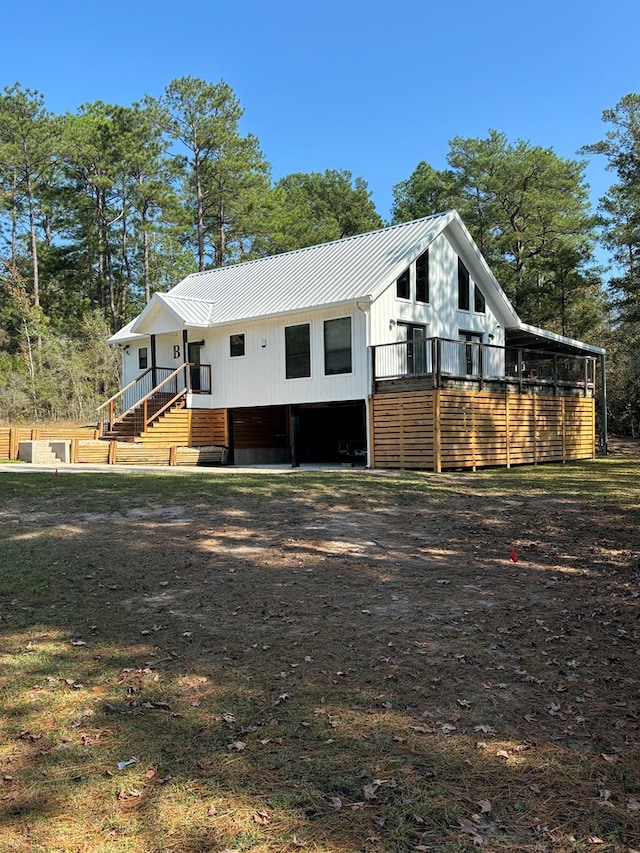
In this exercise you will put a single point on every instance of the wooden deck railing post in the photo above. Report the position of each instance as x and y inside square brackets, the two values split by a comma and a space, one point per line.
[14, 444]
[507, 427]
[437, 434]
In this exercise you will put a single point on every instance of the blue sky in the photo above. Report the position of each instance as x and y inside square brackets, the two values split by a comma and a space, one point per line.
[368, 87]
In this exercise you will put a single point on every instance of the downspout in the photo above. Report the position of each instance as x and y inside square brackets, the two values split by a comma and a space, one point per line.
[367, 335]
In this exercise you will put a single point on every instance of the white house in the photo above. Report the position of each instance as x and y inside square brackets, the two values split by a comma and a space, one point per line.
[290, 349]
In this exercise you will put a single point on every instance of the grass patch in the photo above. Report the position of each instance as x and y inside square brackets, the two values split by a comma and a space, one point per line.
[333, 661]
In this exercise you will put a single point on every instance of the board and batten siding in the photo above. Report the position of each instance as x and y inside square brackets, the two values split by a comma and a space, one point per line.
[258, 378]
[440, 430]
[441, 315]
[168, 354]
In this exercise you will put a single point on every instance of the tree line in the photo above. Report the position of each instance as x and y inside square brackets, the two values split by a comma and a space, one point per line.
[102, 207]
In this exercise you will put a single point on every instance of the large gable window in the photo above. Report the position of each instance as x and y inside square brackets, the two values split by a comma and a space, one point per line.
[422, 277]
[403, 285]
[297, 344]
[463, 286]
[337, 346]
[478, 300]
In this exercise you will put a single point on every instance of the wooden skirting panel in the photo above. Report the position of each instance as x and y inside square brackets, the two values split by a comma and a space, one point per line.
[188, 428]
[440, 430]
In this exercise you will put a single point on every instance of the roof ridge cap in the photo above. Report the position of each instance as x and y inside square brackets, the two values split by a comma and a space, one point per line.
[322, 245]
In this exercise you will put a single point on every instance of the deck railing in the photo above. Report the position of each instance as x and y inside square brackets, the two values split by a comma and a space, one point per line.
[441, 359]
[173, 384]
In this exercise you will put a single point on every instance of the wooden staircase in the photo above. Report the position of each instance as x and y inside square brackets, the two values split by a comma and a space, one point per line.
[131, 427]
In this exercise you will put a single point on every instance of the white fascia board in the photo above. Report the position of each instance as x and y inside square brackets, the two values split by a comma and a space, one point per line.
[125, 336]
[561, 339]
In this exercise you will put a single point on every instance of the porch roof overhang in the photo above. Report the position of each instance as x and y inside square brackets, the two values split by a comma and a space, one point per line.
[525, 336]
[125, 336]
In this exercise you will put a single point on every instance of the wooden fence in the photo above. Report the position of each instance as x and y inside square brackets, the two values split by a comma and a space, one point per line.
[440, 430]
[86, 447]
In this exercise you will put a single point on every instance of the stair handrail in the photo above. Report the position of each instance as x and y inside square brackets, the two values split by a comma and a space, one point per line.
[143, 400]
[120, 394]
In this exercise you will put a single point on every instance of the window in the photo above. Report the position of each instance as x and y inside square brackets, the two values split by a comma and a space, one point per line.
[478, 300]
[143, 358]
[422, 278]
[463, 286]
[337, 346]
[402, 286]
[236, 345]
[297, 345]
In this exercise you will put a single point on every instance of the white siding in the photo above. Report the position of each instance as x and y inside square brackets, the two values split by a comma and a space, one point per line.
[258, 378]
[441, 316]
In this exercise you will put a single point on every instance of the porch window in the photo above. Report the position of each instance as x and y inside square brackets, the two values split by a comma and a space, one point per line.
[143, 358]
[478, 300]
[236, 345]
[403, 286]
[463, 286]
[337, 346]
[422, 278]
[297, 344]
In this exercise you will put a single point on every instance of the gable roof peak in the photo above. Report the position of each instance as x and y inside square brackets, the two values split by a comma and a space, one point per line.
[331, 243]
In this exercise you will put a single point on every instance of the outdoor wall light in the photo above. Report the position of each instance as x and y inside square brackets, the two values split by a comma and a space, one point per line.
[263, 343]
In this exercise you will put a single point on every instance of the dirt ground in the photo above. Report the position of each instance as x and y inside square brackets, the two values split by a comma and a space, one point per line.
[489, 627]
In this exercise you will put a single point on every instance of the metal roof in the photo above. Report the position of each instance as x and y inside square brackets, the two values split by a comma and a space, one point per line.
[354, 268]
[526, 336]
[350, 270]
